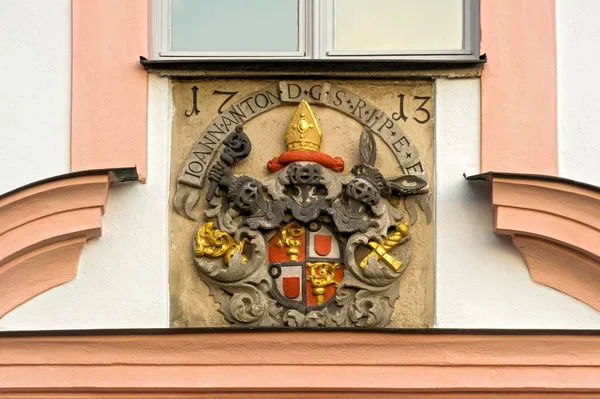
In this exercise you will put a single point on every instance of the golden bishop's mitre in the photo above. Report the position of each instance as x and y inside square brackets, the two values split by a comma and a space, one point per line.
[303, 132]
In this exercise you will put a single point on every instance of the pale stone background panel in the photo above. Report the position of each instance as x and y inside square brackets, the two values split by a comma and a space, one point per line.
[191, 304]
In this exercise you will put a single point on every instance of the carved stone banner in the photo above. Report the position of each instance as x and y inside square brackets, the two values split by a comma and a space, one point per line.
[290, 213]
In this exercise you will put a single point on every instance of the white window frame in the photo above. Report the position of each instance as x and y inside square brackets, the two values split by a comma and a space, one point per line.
[162, 38]
[470, 38]
[316, 39]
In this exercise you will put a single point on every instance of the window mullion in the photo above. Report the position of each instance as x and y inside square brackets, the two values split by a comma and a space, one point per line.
[318, 29]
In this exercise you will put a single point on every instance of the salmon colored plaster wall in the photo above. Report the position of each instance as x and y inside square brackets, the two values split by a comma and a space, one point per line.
[109, 86]
[519, 95]
[300, 364]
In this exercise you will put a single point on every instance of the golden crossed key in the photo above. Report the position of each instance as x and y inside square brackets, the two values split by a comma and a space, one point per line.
[380, 251]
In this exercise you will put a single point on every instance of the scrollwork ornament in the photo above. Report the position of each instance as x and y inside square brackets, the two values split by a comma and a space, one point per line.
[307, 246]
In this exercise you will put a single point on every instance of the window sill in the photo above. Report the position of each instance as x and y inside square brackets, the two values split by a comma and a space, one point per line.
[314, 68]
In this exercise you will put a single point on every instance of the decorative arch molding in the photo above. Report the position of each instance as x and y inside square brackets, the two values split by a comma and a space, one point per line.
[44, 227]
[555, 224]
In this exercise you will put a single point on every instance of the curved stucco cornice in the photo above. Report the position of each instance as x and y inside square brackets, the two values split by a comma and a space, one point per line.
[555, 224]
[561, 268]
[43, 228]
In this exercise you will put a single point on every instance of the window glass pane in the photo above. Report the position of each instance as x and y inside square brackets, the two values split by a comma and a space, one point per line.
[234, 25]
[400, 25]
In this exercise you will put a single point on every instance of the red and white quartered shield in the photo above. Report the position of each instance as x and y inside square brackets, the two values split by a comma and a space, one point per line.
[305, 262]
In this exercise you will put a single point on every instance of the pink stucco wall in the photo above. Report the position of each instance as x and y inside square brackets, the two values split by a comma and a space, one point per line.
[519, 97]
[109, 86]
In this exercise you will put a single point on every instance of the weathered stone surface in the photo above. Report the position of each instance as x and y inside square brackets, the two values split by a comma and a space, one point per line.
[191, 304]
[203, 152]
[313, 92]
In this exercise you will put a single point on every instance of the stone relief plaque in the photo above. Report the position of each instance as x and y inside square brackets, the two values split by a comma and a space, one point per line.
[302, 203]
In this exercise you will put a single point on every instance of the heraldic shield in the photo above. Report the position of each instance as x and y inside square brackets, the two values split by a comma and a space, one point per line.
[306, 265]
[307, 245]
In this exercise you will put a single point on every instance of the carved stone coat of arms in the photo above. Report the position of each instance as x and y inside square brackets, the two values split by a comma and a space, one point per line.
[315, 243]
